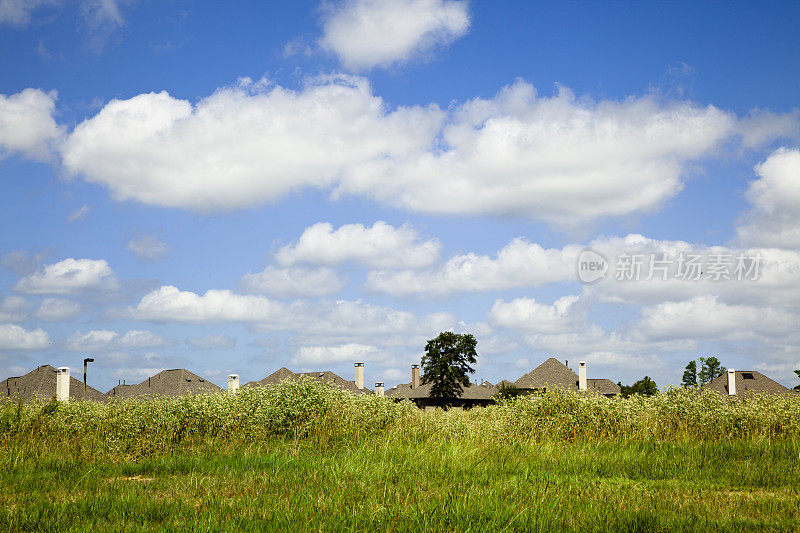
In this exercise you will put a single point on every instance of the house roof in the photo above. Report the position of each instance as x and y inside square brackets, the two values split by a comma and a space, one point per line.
[327, 376]
[41, 382]
[602, 386]
[484, 391]
[552, 372]
[174, 382]
[747, 382]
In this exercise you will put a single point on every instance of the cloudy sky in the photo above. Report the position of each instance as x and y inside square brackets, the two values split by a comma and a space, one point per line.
[240, 187]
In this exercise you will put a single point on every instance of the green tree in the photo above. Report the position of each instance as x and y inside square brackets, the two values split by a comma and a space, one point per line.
[690, 375]
[645, 387]
[711, 368]
[797, 387]
[446, 363]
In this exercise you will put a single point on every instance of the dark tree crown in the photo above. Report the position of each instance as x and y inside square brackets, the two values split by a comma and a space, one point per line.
[446, 363]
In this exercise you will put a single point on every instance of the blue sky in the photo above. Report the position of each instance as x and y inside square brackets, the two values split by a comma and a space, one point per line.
[240, 188]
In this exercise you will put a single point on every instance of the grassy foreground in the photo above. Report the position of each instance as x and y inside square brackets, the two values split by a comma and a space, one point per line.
[306, 457]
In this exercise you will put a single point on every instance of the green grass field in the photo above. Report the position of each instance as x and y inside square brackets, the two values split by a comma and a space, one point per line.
[307, 458]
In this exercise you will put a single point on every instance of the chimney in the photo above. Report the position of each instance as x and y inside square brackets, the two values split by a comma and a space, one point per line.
[359, 376]
[379, 389]
[582, 376]
[414, 376]
[731, 382]
[233, 383]
[62, 384]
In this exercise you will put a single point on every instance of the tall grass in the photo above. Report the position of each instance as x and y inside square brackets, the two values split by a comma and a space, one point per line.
[308, 457]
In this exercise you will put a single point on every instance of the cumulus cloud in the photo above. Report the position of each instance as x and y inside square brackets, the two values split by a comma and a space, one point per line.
[528, 315]
[169, 304]
[105, 340]
[518, 264]
[293, 281]
[379, 246]
[774, 219]
[241, 146]
[54, 309]
[27, 125]
[148, 247]
[760, 127]
[13, 337]
[13, 308]
[312, 355]
[209, 342]
[369, 33]
[70, 276]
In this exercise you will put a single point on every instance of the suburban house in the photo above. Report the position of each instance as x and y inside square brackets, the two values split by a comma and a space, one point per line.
[41, 383]
[744, 383]
[420, 394]
[175, 382]
[555, 374]
[550, 374]
[355, 386]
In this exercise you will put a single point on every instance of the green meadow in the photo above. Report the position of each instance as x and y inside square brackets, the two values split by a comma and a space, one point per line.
[306, 457]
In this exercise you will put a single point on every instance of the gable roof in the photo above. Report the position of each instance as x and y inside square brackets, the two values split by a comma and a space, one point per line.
[327, 376]
[484, 391]
[552, 372]
[174, 382]
[41, 382]
[756, 383]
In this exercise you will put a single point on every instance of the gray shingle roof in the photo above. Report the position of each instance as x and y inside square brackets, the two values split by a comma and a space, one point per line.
[484, 391]
[175, 382]
[552, 372]
[42, 383]
[747, 382]
[326, 377]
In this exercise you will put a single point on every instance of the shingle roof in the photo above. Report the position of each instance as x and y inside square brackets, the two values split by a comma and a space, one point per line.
[747, 382]
[484, 391]
[174, 382]
[552, 372]
[326, 377]
[603, 386]
[42, 383]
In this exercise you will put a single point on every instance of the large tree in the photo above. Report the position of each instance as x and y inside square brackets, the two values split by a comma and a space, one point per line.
[446, 363]
[710, 369]
[690, 375]
[645, 386]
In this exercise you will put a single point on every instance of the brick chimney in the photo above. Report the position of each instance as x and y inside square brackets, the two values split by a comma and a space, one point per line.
[62, 384]
[359, 376]
[233, 383]
[414, 376]
[731, 382]
[582, 385]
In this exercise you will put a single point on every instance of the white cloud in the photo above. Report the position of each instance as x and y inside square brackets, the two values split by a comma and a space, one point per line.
[526, 314]
[70, 276]
[13, 337]
[562, 159]
[209, 342]
[312, 355]
[53, 309]
[370, 33]
[293, 281]
[148, 247]
[379, 246]
[27, 124]
[106, 340]
[241, 146]
[760, 127]
[774, 219]
[79, 213]
[18, 12]
[518, 264]
[707, 317]
[13, 308]
[169, 304]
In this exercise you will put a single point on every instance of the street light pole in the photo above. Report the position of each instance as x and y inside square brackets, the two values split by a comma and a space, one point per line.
[87, 360]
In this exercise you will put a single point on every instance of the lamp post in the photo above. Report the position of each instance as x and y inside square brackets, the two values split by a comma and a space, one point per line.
[85, 361]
